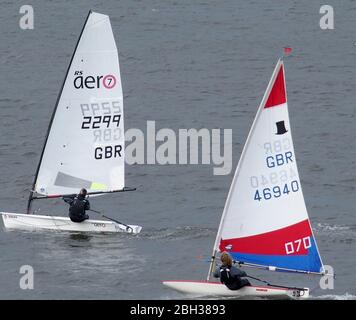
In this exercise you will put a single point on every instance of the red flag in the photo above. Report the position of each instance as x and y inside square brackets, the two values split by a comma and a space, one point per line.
[287, 50]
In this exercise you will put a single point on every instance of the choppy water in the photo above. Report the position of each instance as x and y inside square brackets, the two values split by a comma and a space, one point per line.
[185, 64]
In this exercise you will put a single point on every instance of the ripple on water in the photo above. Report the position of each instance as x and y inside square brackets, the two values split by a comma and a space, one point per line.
[177, 234]
[345, 296]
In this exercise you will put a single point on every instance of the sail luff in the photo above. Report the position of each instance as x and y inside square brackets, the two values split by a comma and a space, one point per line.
[53, 115]
[260, 108]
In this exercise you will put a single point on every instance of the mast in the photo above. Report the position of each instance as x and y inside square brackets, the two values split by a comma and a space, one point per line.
[228, 200]
[52, 118]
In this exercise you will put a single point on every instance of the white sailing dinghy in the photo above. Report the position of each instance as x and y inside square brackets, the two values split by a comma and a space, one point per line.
[265, 222]
[85, 143]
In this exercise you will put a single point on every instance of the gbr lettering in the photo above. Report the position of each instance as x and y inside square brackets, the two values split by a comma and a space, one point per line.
[108, 152]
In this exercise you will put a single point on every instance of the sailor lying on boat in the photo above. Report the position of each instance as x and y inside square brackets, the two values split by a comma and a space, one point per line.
[77, 206]
[230, 275]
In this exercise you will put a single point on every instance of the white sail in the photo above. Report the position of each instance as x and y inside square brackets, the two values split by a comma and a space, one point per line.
[85, 142]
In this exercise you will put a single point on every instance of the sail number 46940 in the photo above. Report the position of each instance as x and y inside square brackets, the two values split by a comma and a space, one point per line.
[276, 191]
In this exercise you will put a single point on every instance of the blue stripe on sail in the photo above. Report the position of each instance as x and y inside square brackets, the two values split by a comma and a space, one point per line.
[308, 263]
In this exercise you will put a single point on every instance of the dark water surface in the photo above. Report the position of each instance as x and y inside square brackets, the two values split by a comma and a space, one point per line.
[184, 64]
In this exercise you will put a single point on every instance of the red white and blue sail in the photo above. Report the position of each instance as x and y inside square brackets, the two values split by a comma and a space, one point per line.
[265, 220]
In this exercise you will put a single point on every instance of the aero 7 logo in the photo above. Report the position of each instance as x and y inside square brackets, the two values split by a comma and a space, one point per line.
[93, 82]
[109, 81]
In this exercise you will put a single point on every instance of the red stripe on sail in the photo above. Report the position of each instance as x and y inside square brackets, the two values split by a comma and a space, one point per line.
[277, 95]
[295, 239]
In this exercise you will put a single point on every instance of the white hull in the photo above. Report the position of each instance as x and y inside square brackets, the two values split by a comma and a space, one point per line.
[42, 222]
[206, 288]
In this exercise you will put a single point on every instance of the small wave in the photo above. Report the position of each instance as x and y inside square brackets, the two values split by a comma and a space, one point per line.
[6, 100]
[335, 233]
[179, 233]
[316, 168]
[325, 227]
[29, 154]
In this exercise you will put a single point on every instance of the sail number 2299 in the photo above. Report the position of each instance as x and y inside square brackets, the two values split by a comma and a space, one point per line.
[276, 191]
[97, 122]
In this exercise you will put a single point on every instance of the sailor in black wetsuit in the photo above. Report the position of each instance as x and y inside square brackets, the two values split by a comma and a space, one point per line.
[78, 206]
[230, 275]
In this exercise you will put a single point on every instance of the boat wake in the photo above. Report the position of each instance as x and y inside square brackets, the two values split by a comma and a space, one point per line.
[176, 234]
[334, 232]
[331, 228]
[345, 296]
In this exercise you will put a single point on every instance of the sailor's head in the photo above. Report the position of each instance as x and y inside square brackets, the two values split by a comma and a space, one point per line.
[226, 259]
[83, 192]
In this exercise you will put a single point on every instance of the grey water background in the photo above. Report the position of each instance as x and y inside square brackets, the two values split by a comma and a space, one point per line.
[184, 64]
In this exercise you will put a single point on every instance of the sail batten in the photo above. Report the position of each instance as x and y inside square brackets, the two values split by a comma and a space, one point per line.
[265, 220]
